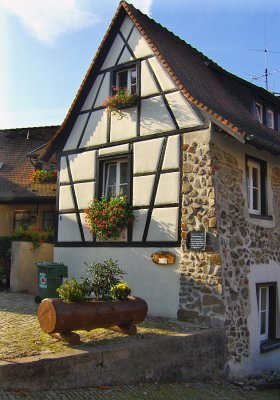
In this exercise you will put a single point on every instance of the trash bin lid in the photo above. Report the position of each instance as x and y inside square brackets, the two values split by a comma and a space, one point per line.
[53, 268]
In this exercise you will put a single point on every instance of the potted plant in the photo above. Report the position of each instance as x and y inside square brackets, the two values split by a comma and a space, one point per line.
[33, 234]
[44, 176]
[112, 307]
[121, 99]
[106, 218]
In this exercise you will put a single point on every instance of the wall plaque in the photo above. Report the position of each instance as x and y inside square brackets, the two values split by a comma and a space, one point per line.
[196, 240]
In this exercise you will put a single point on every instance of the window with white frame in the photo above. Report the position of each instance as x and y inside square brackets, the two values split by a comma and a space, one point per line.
[259, 112]
[115, 178]
[127, 79]
[270, 118]
[256, 186]
[266, 297]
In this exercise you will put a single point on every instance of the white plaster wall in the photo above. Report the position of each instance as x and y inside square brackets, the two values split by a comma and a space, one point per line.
[87, 235]
[258, 362]
[142, 190]
[82, 165]
[63, 175]
[65, 198]
[74, 137]
[124, 148]
[146, 155]
[171, 157]
[183, 112]
[155, 116]
[84, 193]
[114, 52]
[164, 79]
[138, 45]
[168, 188]
[139, 224]
[126, 27]
[104, 90]
[92, 94]
[125, 127]
[96, 130]
[148, 85]
[125, 57]
[164, 224]
[157, 284]
[68, 229]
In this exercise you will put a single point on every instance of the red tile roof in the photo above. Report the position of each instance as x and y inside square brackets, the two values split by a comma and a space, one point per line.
[222, 95]
[17, 169]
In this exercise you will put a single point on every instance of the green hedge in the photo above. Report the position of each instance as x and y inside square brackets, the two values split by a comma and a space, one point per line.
[5, 248]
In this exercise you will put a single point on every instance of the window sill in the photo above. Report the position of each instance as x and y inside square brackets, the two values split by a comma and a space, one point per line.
[263, 217]
[269, 345]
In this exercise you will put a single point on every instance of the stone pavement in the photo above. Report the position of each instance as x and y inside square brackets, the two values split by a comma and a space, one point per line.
[217, 390]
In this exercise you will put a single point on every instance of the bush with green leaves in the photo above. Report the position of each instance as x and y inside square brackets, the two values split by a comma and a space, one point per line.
[5, 248]
[34, 234]
[71, 290]
[102, 277]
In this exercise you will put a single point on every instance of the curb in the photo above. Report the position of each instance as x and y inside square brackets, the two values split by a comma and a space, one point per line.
[181, 357]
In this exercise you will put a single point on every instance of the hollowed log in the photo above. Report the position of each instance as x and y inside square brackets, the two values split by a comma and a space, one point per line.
[57, 316]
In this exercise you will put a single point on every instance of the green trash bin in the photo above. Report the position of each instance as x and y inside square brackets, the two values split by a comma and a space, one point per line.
[50, 277]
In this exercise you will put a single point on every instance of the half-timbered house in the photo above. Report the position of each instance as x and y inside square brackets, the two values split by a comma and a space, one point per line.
[198, 158]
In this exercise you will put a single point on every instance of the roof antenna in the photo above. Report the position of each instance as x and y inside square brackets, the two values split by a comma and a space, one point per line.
[265, 51]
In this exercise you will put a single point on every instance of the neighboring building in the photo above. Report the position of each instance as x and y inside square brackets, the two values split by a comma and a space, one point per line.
[23, 202]
[199, 159]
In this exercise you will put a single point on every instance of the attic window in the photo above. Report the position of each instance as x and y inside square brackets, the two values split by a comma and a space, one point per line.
[259, 112]
[127, 79]
[270, 118]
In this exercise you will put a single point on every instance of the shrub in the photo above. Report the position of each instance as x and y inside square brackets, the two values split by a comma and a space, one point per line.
[106, 218]
[5, 248]
[34, 234]
[73, 291]
[102, 277]
[120, 291]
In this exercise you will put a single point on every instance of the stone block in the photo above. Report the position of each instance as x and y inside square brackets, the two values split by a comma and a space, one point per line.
[186, 315]
[209, 300]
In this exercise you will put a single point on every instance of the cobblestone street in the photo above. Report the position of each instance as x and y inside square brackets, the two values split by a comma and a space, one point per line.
[190, 391]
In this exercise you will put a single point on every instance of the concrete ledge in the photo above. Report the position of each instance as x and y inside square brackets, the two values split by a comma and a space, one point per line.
[181, 357]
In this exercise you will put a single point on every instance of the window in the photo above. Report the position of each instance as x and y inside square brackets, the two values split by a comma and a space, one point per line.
[48, 219]
[270, 118]
[256, 186]
[266, 296]
[127, 78]
[259, 112]
[21, 217]
[115, 178]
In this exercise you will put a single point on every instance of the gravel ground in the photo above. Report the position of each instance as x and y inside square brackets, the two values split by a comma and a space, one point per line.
[190, 391]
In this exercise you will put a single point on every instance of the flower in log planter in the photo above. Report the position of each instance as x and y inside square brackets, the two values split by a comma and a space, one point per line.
[106, 218]
[113, 307]
[120, 100]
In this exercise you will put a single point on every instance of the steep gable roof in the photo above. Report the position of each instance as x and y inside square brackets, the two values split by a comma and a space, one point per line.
[17, 169]
[219, 93]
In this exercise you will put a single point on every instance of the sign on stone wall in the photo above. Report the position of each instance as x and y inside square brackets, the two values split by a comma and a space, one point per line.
[196, 240]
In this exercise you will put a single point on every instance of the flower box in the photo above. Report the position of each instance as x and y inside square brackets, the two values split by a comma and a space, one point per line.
[60, 318]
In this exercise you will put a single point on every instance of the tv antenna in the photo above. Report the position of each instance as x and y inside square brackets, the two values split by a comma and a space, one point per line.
[265, 51]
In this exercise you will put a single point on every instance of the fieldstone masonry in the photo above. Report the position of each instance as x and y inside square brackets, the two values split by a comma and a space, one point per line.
[214, 286]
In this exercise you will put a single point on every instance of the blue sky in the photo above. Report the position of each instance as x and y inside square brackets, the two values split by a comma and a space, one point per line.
[47, 46]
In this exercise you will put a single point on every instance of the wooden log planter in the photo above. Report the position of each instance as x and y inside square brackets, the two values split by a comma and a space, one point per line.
[59, 318]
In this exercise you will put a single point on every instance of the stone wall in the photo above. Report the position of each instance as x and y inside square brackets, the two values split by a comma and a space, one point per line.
[201, 298]
[214, 283]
